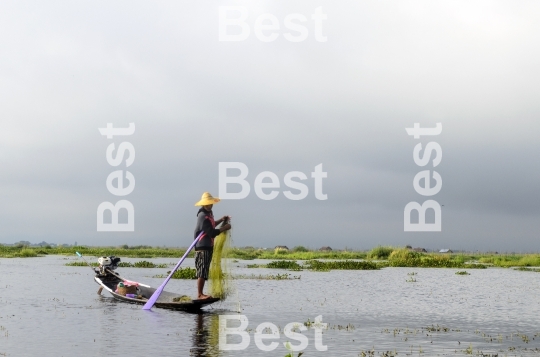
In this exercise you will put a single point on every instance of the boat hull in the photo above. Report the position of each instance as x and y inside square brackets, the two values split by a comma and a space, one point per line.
[165, 299]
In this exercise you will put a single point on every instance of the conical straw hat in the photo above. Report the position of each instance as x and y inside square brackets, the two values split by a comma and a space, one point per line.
[207, 199]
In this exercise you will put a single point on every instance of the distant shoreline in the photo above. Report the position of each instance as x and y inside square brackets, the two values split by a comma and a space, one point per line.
[384, 256]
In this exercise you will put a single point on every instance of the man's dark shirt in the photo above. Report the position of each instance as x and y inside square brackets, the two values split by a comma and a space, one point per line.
[206, 224]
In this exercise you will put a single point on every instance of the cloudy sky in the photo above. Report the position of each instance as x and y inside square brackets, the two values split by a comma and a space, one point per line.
[68, 68]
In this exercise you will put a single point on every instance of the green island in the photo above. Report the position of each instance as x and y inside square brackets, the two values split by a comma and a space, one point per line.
[376, 258]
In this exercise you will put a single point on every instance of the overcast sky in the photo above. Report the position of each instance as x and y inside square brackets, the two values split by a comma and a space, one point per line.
[68, 68]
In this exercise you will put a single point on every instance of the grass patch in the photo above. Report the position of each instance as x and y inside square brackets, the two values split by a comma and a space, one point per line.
[298, 253]
[318, 265]
[80, 264]
[380, 253]
[181, 273]
[390, 256]
[252, 266]
[528, 269]
[506, 261]
[146, 264]
[268, 277]
[141, 264]
[408, 258]
[131, 252]
[284, 264]
[17, 252]
[26, 253]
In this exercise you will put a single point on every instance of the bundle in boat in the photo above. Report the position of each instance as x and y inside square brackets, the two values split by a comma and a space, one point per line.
[125, 289]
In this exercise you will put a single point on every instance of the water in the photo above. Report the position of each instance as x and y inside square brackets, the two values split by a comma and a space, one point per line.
[48, 309]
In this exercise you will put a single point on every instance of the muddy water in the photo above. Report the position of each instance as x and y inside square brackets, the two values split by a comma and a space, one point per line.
[48, 309]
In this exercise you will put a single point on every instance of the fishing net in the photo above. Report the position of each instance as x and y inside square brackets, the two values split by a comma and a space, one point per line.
[220, 276]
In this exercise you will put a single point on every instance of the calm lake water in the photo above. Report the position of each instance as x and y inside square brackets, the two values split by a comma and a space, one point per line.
[48, 309]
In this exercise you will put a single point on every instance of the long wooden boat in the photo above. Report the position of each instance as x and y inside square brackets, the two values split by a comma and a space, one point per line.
[110, 282]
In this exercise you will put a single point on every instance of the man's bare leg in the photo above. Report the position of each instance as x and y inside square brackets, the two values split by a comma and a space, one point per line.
[200, 287]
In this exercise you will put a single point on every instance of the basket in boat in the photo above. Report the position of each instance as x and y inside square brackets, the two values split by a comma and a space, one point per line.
[129, 289]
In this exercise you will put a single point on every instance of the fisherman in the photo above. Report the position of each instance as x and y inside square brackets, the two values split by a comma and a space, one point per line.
[205, 246]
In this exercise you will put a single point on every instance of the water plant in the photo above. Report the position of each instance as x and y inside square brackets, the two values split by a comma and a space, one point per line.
[268, 277]
[409, 258]
[181, 273]
[340, 265]
[140, 264]
[527, 269]
[462, 272]
[80, 264]
[284, 264]
[291, 353]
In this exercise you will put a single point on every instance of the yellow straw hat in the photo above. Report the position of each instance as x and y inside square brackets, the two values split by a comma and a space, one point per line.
[207, 199]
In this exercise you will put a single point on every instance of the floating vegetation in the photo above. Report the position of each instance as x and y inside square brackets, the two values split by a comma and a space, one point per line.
[80, 264]
[181, 273]
[512, 260]
[290, 348]
[18, 252]
[527, 269]
[250, 253]
[256, 266]
[411, 280]
[412, 273]
[284, 264]
[268, 277]
[392, 256]
[462, 272]
[146, 264]
[141, 264]
[318, 265]
[427, 336]
[409, 258]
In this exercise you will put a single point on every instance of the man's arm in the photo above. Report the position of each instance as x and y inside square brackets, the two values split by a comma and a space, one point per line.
[225, 227]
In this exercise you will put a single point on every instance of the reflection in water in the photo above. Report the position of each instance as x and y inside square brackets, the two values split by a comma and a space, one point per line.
[206, 335]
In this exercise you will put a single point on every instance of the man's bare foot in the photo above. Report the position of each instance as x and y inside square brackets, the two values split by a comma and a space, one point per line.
[202, 297]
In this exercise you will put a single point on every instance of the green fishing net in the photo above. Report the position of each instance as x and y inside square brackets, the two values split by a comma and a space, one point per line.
[220, 276]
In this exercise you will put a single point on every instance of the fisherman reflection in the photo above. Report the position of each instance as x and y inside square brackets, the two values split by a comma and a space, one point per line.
[206, 335]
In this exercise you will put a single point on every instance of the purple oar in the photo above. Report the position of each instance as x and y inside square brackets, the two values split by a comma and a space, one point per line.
[159, 290]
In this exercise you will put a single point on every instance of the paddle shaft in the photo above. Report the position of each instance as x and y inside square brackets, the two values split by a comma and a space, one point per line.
[80, 256]
[158, 291]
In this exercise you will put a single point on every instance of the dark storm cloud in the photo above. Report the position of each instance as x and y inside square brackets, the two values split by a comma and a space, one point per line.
[69, 69]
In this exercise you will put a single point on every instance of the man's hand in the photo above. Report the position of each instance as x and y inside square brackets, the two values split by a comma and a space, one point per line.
[223, 219]
[225, 227]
